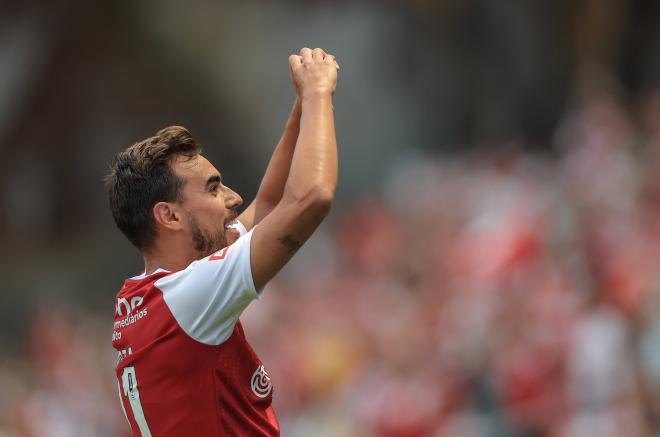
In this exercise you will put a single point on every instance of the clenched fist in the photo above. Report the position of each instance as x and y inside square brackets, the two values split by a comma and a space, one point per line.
[313, 71]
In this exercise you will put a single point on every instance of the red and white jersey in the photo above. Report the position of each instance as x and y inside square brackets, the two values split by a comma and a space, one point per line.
[184, 366]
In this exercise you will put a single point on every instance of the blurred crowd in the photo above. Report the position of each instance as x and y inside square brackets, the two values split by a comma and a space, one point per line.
[488, 270]
[480, 295]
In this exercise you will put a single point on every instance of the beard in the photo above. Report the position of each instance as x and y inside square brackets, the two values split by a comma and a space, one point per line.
[207, 243]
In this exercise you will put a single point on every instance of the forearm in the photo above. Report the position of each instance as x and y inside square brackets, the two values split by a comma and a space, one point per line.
[314, 163]
[272, 185]
[312, 180]
[277, 172]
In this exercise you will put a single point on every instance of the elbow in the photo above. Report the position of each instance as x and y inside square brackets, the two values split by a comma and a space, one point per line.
[314, 201]
[319, 199]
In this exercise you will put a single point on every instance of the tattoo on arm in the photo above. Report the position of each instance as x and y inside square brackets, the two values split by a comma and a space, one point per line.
[288, 242]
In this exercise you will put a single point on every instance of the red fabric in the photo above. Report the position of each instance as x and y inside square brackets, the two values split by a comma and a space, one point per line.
[187, 387]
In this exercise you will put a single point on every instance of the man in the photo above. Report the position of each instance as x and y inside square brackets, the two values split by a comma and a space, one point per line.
[184, 366]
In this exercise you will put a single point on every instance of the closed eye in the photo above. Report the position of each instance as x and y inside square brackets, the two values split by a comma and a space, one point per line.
[213, 183]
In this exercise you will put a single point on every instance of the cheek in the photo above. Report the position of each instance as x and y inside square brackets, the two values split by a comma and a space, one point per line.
[213, 213]
[211, 206]
[207, 215]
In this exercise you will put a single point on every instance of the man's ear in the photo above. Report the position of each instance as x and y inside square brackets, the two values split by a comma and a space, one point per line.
[167, 215]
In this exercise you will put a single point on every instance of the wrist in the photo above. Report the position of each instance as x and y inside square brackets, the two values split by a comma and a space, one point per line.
[297, 107]
[316, 94]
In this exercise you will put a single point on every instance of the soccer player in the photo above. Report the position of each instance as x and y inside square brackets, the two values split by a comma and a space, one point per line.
[184, 366]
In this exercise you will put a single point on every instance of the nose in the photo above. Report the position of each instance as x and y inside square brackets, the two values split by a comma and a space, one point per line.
[232, 199]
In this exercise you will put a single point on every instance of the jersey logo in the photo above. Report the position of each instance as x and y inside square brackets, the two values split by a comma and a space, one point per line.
[261, 385]
[219, 254]
[124, 307]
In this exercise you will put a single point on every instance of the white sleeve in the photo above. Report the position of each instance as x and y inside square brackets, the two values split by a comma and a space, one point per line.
[208, 297]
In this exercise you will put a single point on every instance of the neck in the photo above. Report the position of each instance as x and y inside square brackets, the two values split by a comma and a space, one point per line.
[170, 260]
[151, 264]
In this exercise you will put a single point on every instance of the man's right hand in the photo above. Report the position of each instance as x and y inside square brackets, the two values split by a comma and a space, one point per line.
[313, 71]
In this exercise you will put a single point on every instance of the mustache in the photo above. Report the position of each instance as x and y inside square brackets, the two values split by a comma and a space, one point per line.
[233, 215]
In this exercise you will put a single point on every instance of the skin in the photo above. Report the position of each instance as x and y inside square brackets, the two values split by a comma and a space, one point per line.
[194, 227]
[294, 196]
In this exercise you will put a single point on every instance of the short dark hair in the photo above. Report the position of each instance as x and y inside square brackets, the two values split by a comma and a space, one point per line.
[141, 176]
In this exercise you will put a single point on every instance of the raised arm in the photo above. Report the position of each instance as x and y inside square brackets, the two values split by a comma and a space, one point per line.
[312, 179]
[272, 185]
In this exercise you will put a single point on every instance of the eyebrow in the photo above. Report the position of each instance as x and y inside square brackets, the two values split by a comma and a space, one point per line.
[213, 180]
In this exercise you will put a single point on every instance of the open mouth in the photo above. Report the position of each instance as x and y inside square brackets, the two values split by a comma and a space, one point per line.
[231, 231]
[230, 224]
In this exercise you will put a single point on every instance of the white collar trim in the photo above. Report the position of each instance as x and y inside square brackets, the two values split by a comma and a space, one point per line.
[144, 275]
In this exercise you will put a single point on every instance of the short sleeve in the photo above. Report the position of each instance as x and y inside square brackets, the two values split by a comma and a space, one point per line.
[208, 297]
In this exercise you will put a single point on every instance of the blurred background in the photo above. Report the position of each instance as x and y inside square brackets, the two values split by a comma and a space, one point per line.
[490, 266]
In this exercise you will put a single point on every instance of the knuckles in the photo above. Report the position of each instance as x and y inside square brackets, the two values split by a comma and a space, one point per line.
[311, 66]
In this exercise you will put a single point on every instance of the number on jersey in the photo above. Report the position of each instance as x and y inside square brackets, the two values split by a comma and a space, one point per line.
[130, 386]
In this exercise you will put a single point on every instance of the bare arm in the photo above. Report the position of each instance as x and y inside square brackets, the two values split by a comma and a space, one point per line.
[272, 185]
[312, 179]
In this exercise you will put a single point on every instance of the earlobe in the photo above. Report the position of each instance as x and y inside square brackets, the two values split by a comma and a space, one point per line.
[166, 215]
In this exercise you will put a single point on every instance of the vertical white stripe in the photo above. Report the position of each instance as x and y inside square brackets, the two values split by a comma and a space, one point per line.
[131, 390]
[121, 402]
